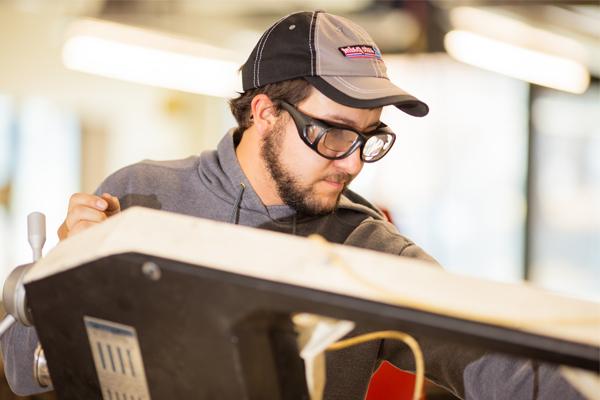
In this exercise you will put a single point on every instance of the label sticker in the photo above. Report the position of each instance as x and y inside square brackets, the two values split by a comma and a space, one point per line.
[118, 360]
[360, 51]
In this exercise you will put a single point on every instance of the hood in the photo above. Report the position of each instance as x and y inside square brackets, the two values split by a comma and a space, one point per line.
[221, 173]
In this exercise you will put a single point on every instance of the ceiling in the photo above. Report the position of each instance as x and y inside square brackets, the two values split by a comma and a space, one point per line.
[398, 26]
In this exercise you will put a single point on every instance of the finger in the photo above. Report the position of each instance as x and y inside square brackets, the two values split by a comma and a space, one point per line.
[88, 200]
[113, 204]
[80, 226]
[83, 213]
[63, 231]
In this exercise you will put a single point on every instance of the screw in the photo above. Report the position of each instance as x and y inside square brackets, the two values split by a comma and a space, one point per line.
[151, 270]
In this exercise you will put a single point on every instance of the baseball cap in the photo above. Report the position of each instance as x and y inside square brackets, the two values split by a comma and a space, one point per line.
[334, 54]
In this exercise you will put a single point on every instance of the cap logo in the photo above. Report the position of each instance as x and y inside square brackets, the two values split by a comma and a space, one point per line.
[360, 51]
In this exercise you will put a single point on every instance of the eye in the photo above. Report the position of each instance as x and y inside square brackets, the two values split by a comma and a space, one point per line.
[339, 140]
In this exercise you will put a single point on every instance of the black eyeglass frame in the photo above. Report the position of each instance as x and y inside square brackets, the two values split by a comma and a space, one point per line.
[303, 122]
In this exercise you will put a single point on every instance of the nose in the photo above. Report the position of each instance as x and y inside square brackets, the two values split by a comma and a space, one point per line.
[351, 164]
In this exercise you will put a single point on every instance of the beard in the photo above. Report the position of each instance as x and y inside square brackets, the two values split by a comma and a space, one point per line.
[300, 197]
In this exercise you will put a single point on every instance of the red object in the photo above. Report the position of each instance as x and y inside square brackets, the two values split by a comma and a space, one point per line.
[390, 383]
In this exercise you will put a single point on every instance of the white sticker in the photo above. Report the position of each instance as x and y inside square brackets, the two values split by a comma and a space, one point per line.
[118, 360]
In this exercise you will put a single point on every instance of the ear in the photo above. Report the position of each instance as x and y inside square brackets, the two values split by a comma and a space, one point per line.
[264, 113]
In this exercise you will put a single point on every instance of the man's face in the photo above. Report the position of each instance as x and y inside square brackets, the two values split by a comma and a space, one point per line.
[304, 180]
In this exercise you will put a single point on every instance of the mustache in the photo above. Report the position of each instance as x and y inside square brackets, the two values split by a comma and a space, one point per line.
[340, 177]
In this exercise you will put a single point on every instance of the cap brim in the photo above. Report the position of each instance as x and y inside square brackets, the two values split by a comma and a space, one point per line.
[367, 92]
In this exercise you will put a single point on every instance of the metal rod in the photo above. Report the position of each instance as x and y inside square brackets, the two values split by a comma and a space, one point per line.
[530, 185]
[6, 323]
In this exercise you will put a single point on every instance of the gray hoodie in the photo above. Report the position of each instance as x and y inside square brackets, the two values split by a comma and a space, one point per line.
[213, 186]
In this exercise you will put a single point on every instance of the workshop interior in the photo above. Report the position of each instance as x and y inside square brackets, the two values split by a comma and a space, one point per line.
[500, 182]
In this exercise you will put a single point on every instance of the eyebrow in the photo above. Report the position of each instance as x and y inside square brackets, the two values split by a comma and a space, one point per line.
[347, 123]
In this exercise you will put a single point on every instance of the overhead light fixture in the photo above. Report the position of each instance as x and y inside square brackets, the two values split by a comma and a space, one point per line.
[151, 58]
[499, 24]
[518, 62]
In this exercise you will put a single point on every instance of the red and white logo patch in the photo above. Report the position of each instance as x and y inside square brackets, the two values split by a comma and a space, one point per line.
[360, 51]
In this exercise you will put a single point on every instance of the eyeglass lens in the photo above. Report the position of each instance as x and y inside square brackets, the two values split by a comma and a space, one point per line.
[376, 147]
[335, 143]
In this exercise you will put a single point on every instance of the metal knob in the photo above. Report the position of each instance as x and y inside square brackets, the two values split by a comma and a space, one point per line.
[13, 295]
[36, 233]
[40, 368]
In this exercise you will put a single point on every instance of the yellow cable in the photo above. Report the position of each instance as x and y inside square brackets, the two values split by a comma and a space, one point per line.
[396, 335]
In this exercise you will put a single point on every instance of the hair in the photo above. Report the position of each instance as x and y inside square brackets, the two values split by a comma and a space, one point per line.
[292, 91]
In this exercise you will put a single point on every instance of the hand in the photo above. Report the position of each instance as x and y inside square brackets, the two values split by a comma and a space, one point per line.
[86, 210]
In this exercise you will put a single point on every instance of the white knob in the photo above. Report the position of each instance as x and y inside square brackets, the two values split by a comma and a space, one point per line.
[36, 233]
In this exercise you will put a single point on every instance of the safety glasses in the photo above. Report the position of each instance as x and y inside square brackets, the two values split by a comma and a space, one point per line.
[336, 142]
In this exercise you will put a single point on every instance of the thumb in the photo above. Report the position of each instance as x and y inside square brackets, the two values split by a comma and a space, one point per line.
[113, 204]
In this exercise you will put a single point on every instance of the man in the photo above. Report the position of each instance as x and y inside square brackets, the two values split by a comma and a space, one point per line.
[314, 88]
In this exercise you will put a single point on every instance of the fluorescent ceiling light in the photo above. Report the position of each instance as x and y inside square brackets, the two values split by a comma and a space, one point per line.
[518, 62]
[508, 28]
[146, 57]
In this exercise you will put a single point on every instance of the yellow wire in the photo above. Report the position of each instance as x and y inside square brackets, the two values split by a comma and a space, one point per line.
[396, 335]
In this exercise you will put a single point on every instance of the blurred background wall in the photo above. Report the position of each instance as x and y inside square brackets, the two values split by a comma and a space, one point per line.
[501, 180]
